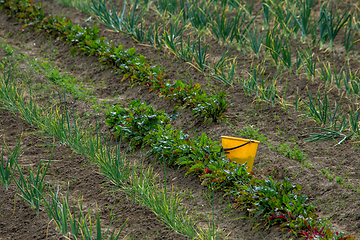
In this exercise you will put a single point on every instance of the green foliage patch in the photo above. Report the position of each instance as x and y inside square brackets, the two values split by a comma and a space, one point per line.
[274, 203]
[133, 66]
[136, 122]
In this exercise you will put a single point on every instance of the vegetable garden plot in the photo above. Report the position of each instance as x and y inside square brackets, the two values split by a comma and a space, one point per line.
[320, 109]
[20, 221]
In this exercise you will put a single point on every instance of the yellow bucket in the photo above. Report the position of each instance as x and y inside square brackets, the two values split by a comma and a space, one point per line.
[240, 150]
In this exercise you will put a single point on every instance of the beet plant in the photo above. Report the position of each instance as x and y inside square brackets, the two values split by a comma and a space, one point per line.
[134, 123]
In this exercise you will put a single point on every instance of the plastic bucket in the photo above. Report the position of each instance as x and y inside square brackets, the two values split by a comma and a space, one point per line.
[240, 150]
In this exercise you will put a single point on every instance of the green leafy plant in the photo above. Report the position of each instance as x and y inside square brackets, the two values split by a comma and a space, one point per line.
[32, 186]
[198, 14]
[293, 153]
[7, 167]
[176, 147]
[213, 109]
[133, 19]
[349, 35]
[185, 50]
[250, 132]
[279, 202]
[255, 40]
[109, 18]
[82, 5]
[153, 36]
[266, 12]
[58, 208]
[172, 37]
[274, 43]
[325, 73]
[169, 144]
[219, 68]
[223, 27]
[328, 26]
[309, 64]
[286, 55]
[304, 8]
[321, 111]
[135, 123]
[200, 55]
[169, 6]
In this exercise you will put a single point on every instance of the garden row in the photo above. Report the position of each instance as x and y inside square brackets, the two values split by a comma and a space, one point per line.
[230, 23]
[140, 184]
[281, 21]
[71, 221]
[173, 146]
[275, 203]
[335, 119]
[134, 67]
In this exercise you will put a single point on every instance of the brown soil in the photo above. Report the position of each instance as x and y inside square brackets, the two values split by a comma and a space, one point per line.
[337, 201]
[19, 221]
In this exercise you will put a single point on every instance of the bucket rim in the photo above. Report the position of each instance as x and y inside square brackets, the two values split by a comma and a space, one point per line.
[240, 139]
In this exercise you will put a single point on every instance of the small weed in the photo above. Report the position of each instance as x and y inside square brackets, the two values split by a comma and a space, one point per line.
[307, 164]
[293, 153]
[326, 173]
[339, 180]
[250, 132]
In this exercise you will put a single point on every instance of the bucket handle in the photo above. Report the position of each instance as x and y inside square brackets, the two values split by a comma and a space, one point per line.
[229, 149]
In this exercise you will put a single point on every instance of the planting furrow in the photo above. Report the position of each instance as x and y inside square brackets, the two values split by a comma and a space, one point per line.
[140, 184]
[134, 67]
[20, 221]
[281, 54]
[198, 204]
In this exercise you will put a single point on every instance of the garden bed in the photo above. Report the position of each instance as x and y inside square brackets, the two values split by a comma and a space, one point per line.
[327, 173]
